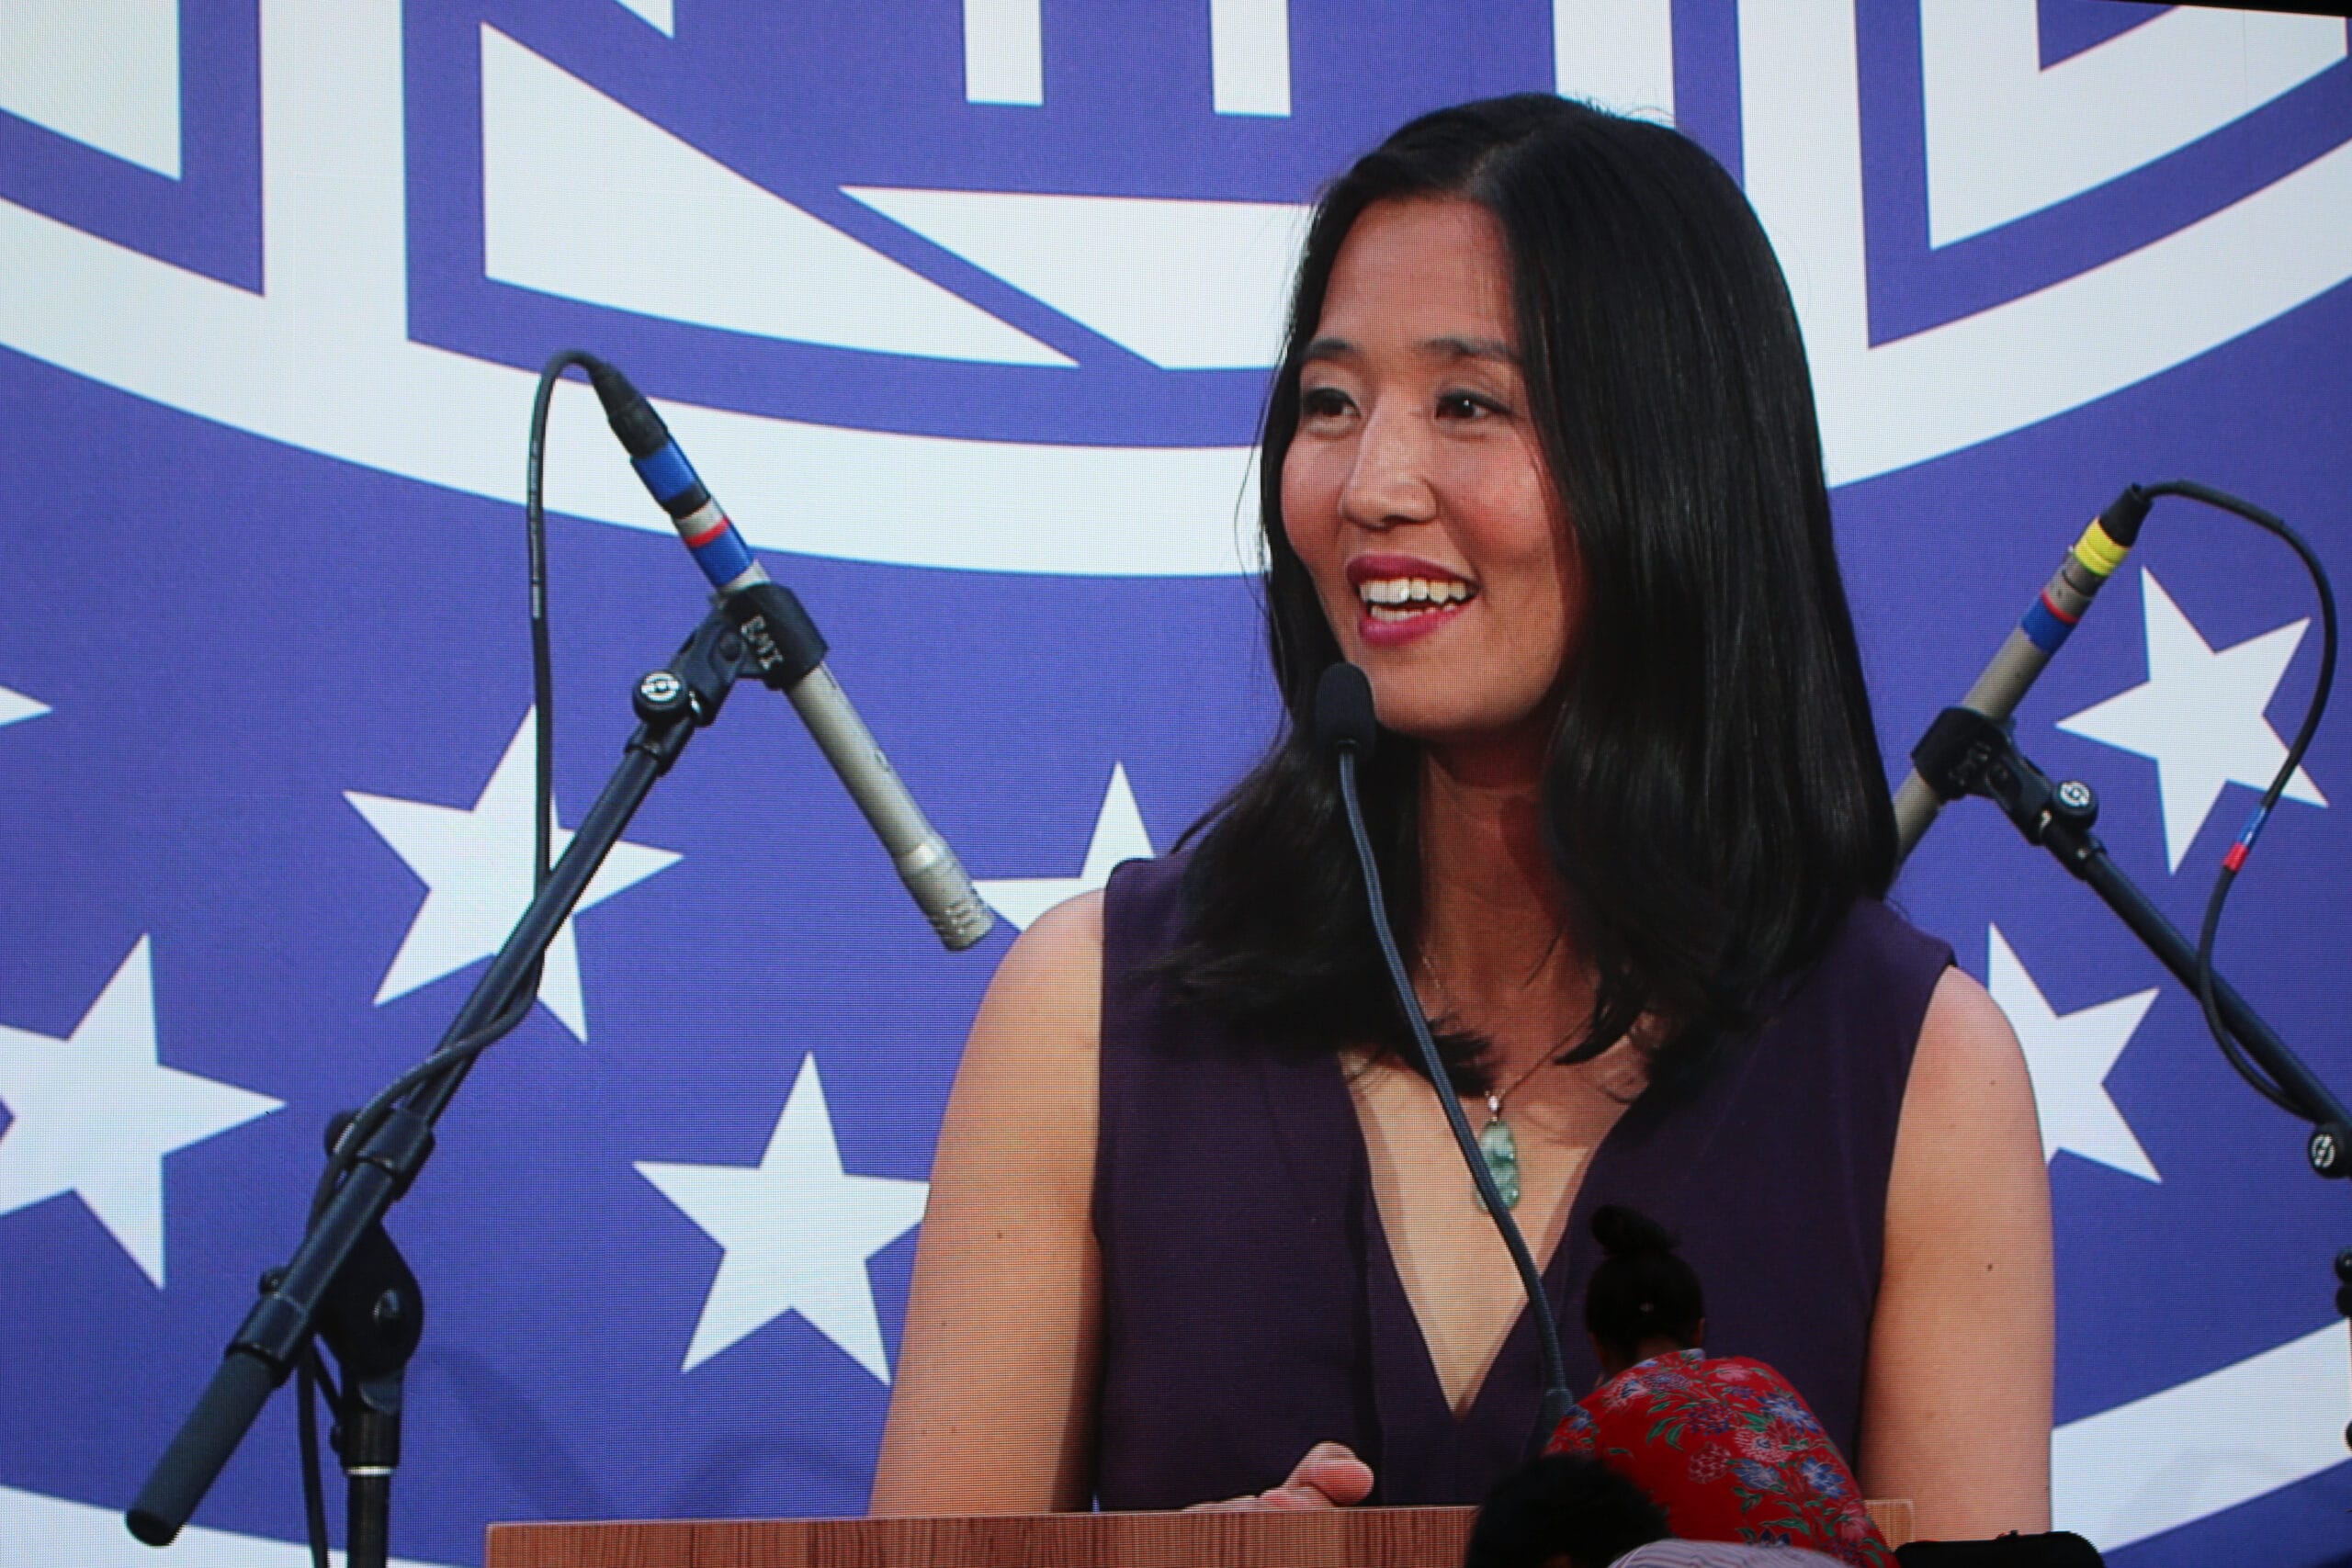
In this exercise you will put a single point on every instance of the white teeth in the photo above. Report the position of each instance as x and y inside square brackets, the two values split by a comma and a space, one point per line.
[1386, 591]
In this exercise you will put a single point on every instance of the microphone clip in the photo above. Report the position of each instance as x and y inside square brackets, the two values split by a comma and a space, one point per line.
[780, 643]
[1963, 752]
[756, 633]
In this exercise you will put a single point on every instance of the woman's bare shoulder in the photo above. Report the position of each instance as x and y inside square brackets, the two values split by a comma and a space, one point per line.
[1069, 931]
[1969, 1071]
[1047, 998]
[1035, 1047]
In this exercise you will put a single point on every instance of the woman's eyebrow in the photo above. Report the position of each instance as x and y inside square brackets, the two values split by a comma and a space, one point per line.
[1445, 347]
[1471, 348]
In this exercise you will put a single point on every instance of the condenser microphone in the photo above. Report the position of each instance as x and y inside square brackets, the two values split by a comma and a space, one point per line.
[791, 656]
[1345, 722]
[1345, 728]
[2048, 622]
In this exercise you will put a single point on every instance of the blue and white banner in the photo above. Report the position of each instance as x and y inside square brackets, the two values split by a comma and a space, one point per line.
[966, 307]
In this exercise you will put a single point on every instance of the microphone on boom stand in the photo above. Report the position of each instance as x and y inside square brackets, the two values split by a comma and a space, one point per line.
[2044, 629]
[346, 1283]
[791, 656]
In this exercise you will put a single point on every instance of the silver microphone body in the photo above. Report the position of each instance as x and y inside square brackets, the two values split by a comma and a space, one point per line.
[925, 864]
[790, 654]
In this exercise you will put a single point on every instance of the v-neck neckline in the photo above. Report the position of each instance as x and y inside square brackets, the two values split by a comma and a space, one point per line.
[1420, 1451]
[1408, 1389]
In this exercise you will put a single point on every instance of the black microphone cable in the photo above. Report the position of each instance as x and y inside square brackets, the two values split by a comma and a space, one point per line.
[2235, 859]
[462, 1050]
[1345, 726]
[312, 1376]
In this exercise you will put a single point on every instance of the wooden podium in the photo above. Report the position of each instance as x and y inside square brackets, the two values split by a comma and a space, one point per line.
[1341, 1537]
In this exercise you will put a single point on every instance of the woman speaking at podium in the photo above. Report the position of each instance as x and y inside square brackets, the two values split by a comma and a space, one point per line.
[1541, 458]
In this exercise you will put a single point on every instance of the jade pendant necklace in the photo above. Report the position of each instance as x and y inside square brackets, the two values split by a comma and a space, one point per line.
[1498, 1145]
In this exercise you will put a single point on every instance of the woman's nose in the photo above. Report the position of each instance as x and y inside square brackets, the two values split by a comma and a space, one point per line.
[1389, 482]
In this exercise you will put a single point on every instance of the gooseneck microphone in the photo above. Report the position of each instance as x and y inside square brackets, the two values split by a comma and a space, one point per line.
[1346, 729]
[2048, 622]
[791, 656]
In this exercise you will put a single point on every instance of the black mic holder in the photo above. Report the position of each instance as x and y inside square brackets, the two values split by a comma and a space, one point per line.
[1963, 753]
[346, 1283]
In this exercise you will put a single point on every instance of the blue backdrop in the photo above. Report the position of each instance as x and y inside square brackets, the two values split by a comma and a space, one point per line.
[965, 309]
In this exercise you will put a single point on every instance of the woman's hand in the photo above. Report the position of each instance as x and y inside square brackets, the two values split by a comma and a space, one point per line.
[1330, 1476]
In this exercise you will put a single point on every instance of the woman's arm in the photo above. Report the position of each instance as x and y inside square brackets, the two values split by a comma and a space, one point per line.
[994, 1399]
[1956, 1400]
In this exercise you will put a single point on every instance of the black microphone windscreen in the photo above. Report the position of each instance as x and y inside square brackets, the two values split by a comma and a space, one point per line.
[1343, 714]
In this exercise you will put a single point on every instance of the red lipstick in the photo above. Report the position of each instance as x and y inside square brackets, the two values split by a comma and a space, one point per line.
[1388, 617]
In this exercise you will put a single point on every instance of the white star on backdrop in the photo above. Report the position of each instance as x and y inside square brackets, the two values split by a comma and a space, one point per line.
[795, 1229]
[15, 707]
[2069, 1058]
[1118, 835]
[93, 1114]
[2199, 715]
[475, 864]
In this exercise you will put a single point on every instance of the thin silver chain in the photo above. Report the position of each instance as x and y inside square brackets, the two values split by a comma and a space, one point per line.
[1452, 1009]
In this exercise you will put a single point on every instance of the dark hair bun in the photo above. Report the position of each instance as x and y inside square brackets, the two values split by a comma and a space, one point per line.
[1643, 1290]
[1628, 1233]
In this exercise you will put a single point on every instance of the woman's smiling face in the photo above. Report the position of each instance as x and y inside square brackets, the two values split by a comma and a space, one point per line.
[1415, 489]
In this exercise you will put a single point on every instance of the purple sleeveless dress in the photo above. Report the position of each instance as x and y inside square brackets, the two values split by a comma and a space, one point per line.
[1251, 1307]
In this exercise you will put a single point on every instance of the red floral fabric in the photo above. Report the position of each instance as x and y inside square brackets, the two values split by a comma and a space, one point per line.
[1730, 1451]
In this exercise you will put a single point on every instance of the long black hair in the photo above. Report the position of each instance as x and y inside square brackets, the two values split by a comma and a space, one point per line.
[1711, 799]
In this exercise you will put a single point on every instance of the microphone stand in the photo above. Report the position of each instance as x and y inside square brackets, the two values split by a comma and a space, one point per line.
[1963, 752]
[346, 1283]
